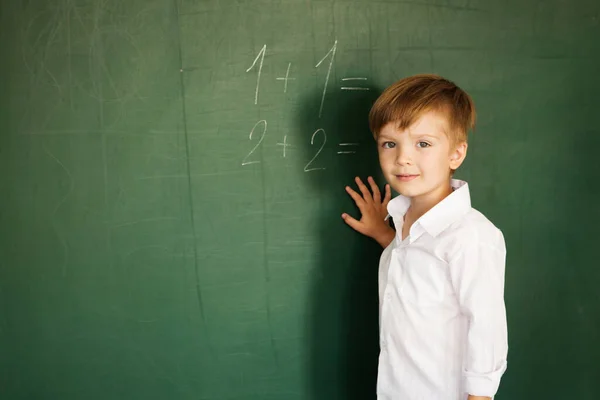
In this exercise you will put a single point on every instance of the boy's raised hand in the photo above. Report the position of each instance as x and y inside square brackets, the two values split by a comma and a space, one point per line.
[373, 211]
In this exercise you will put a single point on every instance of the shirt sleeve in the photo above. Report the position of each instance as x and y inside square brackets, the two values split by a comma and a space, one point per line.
[477, 274]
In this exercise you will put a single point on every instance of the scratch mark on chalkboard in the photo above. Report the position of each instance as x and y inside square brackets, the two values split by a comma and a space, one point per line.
[143, 221]
[151, 246]
[77, 15]
[182, 176]
[56, 84]
[189, 168]
[105, 172]
[35, 53]
[434, 5]
[98, 64]
[2, 316]
[57, 207]
[166, 157]
[285, 217]
[46, 51]
[160, 132]
[69, 59]
[430, 39]
[159, 369]
[95, 58]
[432, 47]
[104, 131]
[147, 321]
[109, 248]
[239, 354]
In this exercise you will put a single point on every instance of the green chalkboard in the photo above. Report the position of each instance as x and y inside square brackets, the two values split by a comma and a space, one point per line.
[172, 177]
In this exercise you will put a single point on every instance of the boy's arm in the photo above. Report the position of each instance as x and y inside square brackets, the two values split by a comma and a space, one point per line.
[373, 211]
[477, 273]
[479, 398]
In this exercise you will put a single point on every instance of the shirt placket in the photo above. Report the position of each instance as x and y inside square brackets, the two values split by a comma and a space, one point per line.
[393, 276]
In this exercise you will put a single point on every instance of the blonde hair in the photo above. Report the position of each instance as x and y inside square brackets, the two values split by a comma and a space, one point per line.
[406, 100]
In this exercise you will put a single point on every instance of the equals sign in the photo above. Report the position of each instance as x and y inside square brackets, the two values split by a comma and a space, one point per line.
[347, 146]
[354, 87]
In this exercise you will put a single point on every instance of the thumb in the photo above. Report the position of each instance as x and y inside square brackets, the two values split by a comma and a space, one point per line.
[353, 223]
[388, 195]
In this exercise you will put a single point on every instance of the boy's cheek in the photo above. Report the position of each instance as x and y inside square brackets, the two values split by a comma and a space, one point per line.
[385, 160]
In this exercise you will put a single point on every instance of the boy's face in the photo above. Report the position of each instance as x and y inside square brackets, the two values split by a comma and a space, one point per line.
[418, 161]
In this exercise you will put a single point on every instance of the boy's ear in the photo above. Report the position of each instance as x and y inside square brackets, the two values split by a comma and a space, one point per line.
[457, 156]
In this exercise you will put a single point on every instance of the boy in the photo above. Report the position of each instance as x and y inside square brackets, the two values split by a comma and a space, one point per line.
[442, 318]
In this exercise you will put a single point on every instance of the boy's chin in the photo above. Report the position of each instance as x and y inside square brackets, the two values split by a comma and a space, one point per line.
[411, 189]
[407, 189]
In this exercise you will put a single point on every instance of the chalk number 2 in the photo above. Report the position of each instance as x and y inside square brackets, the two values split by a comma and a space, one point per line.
[264, 122]
[312, 142]
[307, 167]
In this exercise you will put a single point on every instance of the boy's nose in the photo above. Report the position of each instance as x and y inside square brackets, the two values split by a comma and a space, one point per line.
[403, 156]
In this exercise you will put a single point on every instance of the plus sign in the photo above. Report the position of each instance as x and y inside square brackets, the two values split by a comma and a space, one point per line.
[285, 144]
[286, 79]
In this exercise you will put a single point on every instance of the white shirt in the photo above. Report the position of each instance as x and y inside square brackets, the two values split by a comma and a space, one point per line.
[442, 317]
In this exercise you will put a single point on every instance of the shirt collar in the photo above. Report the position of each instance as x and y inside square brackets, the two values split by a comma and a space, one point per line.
[440, 216]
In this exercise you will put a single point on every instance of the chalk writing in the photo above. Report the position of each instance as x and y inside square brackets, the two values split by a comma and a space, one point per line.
[260, 55]
[264, 122]
[312, 142]
[284, 145]
[354, 87]
[286, 79]
[347, 145]
[332, 53]
[351, 83]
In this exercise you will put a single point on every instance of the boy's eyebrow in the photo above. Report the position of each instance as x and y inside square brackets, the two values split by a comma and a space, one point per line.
[426, 135]
[383, 136]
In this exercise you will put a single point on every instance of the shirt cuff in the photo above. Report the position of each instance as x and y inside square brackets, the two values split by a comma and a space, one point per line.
[484, 384]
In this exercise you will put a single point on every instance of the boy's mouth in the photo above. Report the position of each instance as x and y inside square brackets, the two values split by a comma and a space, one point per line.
[406, 177]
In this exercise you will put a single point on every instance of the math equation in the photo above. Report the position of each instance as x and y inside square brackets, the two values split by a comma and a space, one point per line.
[318, 139]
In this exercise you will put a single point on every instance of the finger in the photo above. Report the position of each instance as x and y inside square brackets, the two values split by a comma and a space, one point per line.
[360, 202]
[363, 189]
[388, 195]
[353, 223]
[375, 190]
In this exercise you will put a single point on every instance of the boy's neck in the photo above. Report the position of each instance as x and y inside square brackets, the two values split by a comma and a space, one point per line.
[421, 204]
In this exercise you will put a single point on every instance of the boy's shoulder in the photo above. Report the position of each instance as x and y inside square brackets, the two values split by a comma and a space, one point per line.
[475, 219]
[474, 229]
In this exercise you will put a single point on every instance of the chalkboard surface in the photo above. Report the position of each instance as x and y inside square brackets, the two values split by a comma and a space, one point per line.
[172, 177]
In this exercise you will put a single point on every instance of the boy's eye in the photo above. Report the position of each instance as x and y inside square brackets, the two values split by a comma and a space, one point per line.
[388, 145]
[423, 144]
